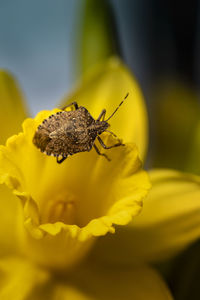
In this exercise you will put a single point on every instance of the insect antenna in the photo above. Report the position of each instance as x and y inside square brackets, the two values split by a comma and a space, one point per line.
[118, 107]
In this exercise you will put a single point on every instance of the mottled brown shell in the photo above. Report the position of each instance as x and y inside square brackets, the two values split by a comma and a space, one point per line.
[66, 133]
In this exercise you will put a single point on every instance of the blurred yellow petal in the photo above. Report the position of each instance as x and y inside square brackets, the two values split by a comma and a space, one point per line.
[174, 222]
[67, 205]
[111, 283]
[175, 113]
[105, 86]
[19, 278]
[169, 221]
[12, 105]
[66, 292]
[10, 215]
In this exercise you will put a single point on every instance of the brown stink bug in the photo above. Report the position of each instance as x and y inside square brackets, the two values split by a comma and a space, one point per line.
[68, 132]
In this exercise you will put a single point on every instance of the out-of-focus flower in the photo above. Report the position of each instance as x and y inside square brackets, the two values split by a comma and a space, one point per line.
[62, 208]
[175, 119]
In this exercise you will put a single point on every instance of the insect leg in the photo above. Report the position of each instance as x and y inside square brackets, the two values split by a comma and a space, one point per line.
[108, 147]
[99, 153]
[59, 161]
[113, 135]
[102, 115]
[71, 104]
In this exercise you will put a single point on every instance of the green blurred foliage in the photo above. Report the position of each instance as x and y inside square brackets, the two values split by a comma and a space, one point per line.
[98, 36]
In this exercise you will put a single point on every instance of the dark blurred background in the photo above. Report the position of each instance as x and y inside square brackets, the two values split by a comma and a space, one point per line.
[160, 38]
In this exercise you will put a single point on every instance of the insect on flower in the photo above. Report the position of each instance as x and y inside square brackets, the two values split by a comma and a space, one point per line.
[68, 132]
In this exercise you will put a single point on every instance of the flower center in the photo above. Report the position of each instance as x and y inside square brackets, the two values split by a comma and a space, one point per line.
[62, 211]
[59, 209]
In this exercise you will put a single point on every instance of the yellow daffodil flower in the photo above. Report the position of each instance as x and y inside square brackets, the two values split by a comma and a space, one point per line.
[73, 202]
[51, 214]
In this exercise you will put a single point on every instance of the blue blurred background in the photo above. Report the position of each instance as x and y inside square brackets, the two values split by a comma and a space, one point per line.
[36, 44]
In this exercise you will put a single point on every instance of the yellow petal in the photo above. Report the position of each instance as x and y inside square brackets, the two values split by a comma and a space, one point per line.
[91, 283]
[66, 292]
[170, 221]
[19, 278]
[67, 205]
[10, 217]
[105, 86]
[12, 111]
